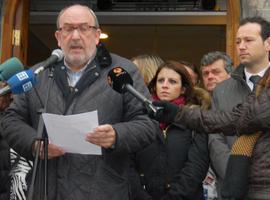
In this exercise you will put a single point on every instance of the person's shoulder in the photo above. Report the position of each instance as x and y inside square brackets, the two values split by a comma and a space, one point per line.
[203, 97]
[225, 85]
[119, 59]
[123, 62]
[235, 79]
[37, 65]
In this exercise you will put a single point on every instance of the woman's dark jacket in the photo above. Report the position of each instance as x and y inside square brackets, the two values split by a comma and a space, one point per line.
[174, 166]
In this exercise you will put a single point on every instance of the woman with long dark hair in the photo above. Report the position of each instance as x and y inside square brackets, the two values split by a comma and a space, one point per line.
[174, 166]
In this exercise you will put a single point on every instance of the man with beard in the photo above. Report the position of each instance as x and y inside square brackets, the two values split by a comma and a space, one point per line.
[79, 86]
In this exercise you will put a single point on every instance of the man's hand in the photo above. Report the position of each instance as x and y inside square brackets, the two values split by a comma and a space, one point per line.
[103, 135]
[53, 150]
[167, 113]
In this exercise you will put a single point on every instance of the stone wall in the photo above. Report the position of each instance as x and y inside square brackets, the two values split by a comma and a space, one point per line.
[250, 8]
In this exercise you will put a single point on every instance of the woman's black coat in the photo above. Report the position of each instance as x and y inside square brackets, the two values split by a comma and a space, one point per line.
[174, 166]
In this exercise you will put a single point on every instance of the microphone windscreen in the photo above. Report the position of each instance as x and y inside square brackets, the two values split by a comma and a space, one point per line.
[9, 68]
[59, 53]
[22, 82]
[118, 78]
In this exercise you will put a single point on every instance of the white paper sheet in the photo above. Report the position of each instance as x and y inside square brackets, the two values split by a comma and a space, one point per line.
[69, 131]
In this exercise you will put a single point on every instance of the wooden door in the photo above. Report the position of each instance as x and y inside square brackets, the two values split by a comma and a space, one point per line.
[233, 17]
[14, 38]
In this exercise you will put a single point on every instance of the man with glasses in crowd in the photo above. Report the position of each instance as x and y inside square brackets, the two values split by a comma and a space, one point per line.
[79, 86]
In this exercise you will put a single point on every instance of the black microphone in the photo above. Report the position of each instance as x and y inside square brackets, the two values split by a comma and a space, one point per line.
[120, 81]
[56, 56]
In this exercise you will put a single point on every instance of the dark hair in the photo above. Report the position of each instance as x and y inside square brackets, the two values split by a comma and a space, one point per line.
[185, 79]
[190, 65]
[213, 56]
[264, 24]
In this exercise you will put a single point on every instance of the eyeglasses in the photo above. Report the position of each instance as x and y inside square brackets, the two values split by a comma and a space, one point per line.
[83, 29]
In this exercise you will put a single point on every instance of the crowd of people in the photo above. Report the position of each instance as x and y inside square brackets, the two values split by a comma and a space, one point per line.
[164, 155]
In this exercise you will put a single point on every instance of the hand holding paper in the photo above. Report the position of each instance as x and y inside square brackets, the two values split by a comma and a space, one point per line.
[69, 131]
[103, 135]
[53, 150]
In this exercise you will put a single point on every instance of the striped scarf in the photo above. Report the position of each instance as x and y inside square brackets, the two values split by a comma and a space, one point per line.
[18, 175]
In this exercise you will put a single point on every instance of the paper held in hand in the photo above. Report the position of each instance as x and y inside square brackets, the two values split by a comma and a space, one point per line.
[69, 131]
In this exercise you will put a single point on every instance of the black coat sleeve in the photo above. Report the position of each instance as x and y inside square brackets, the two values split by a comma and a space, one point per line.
[210, 121]
[256, 116]
[16, 129]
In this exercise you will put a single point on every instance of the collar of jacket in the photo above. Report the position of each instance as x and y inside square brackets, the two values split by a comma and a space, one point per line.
[161, 133]
[103, 56]
[92, 72]
[238, 73]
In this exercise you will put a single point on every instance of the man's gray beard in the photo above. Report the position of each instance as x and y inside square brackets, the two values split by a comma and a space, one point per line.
[77, 62]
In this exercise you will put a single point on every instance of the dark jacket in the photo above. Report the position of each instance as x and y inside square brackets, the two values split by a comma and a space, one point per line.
[174, 166]
[247, 118]
[84, 177]
[226, 95]
[13, 171]
[4, 169]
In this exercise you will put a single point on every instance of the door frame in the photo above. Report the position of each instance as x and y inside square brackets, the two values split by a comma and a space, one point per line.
[15, 29]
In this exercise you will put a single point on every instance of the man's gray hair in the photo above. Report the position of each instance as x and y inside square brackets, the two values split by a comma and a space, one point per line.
[90, 10]
[213, 56]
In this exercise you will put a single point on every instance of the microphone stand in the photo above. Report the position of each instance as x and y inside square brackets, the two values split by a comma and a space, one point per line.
[146, 102]
[42, 139]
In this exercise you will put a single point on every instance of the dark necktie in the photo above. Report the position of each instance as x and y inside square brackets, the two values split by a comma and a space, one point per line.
[255, 80]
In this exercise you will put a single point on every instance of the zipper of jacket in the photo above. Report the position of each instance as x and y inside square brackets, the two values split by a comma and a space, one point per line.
[167, 180]
[164, 131]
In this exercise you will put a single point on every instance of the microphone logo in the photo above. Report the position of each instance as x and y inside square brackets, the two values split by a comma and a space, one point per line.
[21, 82]
[121, 81]
[118, 78]
[22, 75]
[116, 72]
[27, 86]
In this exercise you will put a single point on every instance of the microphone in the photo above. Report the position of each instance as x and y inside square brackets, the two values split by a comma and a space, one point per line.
[56, 56]
[9, 68]
[120, 81]
[19, 83]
